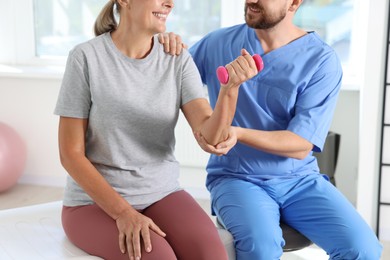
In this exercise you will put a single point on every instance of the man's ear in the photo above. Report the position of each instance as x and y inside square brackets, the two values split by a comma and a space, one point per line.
[295, 5]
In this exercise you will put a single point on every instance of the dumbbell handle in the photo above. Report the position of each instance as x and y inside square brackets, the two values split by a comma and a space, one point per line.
[223, 75]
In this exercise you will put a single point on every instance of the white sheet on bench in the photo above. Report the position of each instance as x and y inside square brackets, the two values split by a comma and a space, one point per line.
[35, 232]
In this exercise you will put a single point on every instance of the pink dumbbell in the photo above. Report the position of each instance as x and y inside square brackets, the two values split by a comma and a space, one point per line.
[223, 75]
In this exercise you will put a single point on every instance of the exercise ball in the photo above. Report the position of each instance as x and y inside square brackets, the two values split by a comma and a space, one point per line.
[13, 157]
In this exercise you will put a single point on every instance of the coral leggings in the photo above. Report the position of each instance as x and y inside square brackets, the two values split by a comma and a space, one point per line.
[191, 235]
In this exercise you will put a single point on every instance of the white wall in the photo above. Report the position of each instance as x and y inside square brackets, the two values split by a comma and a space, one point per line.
[372, 60]
[346, 123]
[27, 104]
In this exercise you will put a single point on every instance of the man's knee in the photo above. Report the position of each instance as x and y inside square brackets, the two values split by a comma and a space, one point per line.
[360, 249]
[258, 247]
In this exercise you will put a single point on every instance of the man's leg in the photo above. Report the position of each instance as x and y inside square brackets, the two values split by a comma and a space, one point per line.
[318, 210]
[252, 217]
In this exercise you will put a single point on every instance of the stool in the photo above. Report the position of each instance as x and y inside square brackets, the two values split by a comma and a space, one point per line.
[294, 240]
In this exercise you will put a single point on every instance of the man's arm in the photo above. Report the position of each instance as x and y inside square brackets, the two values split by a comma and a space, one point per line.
[284, 143]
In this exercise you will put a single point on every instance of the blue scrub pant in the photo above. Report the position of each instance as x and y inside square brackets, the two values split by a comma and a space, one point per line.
[310, 204]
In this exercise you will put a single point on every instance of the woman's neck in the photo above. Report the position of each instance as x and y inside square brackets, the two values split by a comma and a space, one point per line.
[131, 43]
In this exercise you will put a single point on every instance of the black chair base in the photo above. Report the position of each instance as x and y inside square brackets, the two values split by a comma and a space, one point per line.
[294, 240]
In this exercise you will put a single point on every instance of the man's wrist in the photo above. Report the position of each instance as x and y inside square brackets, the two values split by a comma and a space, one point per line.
[239, 132]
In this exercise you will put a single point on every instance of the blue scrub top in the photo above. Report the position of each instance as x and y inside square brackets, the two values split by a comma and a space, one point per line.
[296, 91]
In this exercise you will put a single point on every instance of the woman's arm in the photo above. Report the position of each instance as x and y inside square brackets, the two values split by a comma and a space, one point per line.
[72, 154]
[129, 221]
[214, 125]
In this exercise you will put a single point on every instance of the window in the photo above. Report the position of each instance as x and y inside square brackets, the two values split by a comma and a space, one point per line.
[61, 24]
[192, 19]
[43, 32]
[332, 20]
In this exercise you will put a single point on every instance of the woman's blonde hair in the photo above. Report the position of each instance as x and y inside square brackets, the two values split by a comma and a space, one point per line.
[106, 21]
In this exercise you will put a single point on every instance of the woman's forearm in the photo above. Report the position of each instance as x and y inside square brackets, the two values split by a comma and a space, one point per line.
[216, 128]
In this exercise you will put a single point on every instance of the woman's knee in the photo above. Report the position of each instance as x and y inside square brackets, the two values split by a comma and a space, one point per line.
[201, 243]
[190, 231]
[209, 249]
[161, 250]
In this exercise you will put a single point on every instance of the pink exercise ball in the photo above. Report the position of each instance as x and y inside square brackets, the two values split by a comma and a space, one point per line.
[12, 157]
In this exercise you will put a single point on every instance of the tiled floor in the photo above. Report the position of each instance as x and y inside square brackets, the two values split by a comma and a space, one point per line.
[23, 195]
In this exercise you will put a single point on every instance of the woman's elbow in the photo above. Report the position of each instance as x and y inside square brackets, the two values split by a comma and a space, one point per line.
[216, 137]
[67, 158]
[64, 159]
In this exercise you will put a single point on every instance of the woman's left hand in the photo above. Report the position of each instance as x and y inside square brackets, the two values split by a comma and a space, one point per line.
[220, 149]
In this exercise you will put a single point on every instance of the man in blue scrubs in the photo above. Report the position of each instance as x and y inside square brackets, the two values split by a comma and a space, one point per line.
[283, 115]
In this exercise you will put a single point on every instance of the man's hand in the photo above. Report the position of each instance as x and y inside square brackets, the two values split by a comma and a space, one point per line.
[220, 149]
[172, 43]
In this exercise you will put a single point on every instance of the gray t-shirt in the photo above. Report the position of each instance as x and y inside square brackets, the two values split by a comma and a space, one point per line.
[132, 106]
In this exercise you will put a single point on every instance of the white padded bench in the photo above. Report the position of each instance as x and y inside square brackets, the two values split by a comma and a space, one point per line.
[35, 232]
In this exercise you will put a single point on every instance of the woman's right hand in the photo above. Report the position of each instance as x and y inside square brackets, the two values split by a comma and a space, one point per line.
[134, 226]
[240, 70]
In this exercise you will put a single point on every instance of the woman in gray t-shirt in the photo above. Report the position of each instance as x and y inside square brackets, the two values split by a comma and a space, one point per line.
[118, 105]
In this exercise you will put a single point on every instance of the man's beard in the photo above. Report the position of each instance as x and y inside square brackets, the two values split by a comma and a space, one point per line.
[264, 20]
